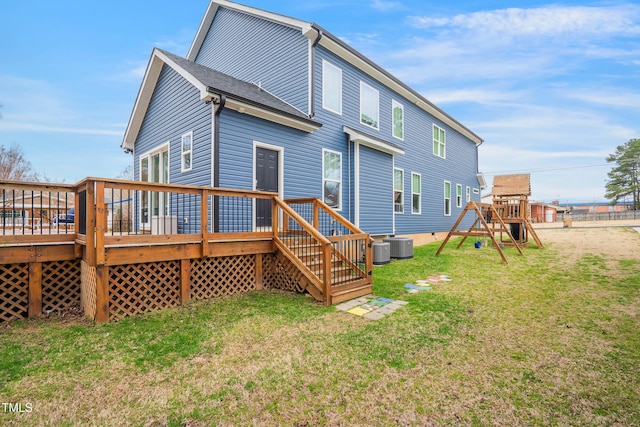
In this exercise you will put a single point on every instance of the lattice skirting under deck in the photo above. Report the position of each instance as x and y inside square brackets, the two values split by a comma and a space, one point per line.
[214, 277]
[61, 285]
[88, 294]
[14, 291]
[280, 273]
[140, 288]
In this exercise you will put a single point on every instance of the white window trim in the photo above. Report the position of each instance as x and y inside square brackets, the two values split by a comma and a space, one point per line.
[413, 192]
[185, 152]
[468, 194]
[326, 63]
[148, 154]
[443, 143]
[326, 150]
[395, 104]
[447, 198]
[401, 191]
[458, 195]
[363, 84]
[476, 191]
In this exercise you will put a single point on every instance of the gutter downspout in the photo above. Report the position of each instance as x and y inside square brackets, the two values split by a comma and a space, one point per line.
[216, 159]
[313, 76]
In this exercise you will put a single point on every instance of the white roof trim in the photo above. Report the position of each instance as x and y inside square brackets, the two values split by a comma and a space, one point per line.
[151, 76]
[148, 86]
[271, 116]
[304, 27]
[329, 43]
[367, 141]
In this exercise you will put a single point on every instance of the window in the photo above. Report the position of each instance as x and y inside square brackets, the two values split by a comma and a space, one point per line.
[438, 142]
[416, 186]
[331, 87]
[447, 198]
[369, 105]
[154, 167]
[398, 190]
[468, 194]
[397, 112]
[332, 178]
[187, 151]
[476, 191]
[459, 195]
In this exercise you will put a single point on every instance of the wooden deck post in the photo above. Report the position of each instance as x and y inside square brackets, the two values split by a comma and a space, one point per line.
[185, 281]
[326, 265]
[259, 273]
[91, 224]
[102, 294]
[204, 221]
[35, 289]
[101, 223]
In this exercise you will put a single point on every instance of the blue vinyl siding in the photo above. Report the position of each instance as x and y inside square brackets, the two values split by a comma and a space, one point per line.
[174, 110]
[376, 191]
[459, 167]
[256, 50]
[302, 159]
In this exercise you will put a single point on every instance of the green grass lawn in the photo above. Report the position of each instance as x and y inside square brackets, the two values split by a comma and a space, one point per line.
[537, 342]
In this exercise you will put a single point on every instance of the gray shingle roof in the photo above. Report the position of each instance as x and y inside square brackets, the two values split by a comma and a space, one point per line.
[221, 83]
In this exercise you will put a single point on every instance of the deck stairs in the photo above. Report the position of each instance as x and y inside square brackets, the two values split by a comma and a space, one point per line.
[334, 263]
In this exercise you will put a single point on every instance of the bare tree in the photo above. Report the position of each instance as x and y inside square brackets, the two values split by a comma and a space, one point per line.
[14, 166]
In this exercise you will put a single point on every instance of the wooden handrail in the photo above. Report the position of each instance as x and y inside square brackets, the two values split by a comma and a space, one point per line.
[300, 220]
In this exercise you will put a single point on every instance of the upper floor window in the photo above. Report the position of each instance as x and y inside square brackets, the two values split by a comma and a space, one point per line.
[187, 151]
[397, 112]
[369, 105]
[398, 191]
[416, 186]
[439, 144]
[332, 178]
[331, 87]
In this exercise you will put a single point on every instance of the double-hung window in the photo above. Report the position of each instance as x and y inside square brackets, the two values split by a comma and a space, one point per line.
[332, 178]
[439, 144]
[398, 190]
[468, 194]
[187, 151]
[458, 195]
[416, 191]
[369, 106]
[447, 198]
[331, 87]
[397, 114]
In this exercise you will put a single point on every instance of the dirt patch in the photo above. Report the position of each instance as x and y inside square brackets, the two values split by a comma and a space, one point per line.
[611, 243]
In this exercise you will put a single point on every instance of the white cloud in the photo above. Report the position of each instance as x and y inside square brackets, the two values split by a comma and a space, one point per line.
[546, 21]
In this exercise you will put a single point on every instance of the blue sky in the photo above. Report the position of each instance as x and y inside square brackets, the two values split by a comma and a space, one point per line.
[552, 87]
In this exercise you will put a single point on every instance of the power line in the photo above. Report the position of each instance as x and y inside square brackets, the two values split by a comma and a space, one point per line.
[547, 169]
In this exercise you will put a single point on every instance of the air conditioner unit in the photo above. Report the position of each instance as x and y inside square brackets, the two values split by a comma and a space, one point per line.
[381, 253]
[401, 247]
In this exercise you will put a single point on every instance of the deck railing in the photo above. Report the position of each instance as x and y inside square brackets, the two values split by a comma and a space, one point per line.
[351, 252]
[106, 222]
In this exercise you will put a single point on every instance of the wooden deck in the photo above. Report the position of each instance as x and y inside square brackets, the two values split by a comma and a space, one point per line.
[137, 247]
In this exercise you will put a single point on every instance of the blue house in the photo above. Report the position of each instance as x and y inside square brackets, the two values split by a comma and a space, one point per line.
[268, 102]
